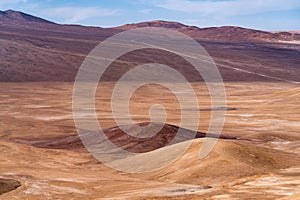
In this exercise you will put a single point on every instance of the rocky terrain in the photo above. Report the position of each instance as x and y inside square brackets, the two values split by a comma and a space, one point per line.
[40, 148]
[120, 138]
[7, 185]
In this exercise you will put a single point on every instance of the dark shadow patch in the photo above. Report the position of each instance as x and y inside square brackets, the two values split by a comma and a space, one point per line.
[7, 185]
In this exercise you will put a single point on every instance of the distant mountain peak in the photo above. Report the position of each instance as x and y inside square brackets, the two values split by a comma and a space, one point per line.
[155, 23]
[20, 17]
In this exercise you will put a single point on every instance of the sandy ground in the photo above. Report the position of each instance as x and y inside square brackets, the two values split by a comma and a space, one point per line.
[265, 164]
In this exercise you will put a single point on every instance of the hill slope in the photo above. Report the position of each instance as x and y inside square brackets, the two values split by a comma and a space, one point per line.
[224, 33]
[33, 49]
[16, 17]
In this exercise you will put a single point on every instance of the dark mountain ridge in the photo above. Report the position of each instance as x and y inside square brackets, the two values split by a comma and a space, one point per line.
[20, 17]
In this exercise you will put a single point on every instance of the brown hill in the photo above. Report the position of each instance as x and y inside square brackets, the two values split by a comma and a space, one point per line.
[155, 23]
[124, 140]
[230, 160]
[224, 33]
[233, 33]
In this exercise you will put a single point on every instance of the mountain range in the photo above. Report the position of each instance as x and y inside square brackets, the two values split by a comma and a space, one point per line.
[35, 49]
[231, 33]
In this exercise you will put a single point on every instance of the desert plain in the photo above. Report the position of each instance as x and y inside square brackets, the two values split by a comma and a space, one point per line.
[263, 163]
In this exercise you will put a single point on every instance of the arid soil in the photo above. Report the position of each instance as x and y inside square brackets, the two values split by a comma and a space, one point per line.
[263, 164]
[42, 157]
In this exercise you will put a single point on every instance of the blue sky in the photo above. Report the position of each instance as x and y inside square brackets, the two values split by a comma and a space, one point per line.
[258, 14]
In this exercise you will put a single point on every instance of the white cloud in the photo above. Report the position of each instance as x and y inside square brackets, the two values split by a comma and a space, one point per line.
[228, 7]
[76, 14]
[145, 11]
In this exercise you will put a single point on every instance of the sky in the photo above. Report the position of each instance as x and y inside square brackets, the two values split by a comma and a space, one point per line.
[270, 15]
